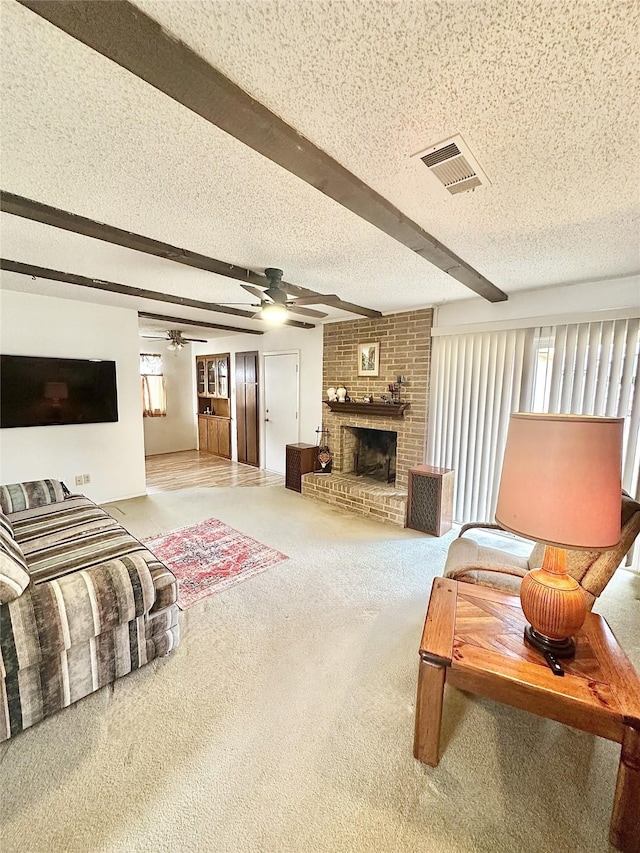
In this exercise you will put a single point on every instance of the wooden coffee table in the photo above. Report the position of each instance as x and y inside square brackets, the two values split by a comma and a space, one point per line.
[473, 639]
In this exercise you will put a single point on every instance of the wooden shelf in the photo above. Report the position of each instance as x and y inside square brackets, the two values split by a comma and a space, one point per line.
[211, 415]
[387, 410]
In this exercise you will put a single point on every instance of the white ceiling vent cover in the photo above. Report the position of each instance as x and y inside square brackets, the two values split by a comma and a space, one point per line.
[453, 164]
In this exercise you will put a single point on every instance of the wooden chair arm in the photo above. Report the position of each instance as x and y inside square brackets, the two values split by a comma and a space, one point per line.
[479, 524]
[499, 570]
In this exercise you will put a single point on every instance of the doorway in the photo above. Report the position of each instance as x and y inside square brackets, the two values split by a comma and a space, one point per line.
[281, 393]
[247, 408]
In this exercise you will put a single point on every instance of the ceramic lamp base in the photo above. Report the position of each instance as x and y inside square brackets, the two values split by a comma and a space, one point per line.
[554, 605]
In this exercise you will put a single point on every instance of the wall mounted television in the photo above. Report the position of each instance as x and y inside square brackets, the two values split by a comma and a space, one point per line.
[37, 391]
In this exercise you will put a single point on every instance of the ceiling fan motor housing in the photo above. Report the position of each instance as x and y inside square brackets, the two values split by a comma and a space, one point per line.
[273, 274]
[275, 291]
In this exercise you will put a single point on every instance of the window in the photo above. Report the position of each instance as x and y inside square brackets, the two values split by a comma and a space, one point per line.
[154, 395]
[479, 379]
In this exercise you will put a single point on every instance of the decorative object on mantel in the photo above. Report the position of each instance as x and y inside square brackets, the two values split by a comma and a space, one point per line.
[395, 388]
[331, 394]
[341, 393]
[369, 359]
[325, 457]
[388, 410]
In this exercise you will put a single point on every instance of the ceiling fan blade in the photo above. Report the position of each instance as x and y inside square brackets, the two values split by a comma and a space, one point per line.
[154, 338]
[328, 299]
[253, 291]
[319, 299]
[195, 340]
[308, 312]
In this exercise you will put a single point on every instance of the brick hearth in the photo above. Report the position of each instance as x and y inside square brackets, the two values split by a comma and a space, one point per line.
[348, 491]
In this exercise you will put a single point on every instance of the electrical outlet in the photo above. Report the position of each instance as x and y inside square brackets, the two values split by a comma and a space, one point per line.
[79, 480]
[87, 478]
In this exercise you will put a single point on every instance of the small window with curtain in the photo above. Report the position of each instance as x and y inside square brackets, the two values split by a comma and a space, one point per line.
[154, 394]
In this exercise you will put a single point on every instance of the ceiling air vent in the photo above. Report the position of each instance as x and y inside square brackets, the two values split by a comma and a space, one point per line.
[453, 164]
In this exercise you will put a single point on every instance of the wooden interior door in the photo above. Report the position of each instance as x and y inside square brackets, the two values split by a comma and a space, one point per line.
[247, 408]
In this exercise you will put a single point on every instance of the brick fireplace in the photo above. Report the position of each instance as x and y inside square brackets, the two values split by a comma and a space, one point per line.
[405, 349]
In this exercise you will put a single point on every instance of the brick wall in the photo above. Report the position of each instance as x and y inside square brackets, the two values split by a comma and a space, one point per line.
[405, 349]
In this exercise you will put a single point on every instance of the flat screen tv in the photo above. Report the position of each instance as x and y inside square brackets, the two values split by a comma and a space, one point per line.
[38, 391]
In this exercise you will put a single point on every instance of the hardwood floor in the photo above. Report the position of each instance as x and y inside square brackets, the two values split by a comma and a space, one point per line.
[189, 468]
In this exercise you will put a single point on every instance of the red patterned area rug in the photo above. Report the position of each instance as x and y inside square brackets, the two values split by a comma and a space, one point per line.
[210, 557]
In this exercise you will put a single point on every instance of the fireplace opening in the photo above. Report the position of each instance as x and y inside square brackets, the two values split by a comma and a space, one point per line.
[374, 454]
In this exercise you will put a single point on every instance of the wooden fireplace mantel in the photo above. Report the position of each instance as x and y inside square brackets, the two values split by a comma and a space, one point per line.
[389, 410]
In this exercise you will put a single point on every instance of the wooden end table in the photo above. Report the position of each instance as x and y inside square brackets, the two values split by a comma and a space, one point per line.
[473, 639]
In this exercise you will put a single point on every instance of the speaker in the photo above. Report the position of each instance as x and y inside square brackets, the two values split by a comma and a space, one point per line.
[300, 459]
[430, 500]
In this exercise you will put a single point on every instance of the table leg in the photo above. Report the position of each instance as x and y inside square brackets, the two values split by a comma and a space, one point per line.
[426, 742]
[625, 820]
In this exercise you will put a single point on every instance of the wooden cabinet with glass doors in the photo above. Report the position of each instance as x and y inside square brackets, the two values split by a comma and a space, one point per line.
[214, 405]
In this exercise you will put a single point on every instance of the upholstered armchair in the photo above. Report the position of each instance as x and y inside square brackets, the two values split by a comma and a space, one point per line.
[471, 562]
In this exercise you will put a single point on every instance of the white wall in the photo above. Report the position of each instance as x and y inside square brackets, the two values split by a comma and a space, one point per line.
[568, 301]
[112, 453]
[176, 431]
[308, 343]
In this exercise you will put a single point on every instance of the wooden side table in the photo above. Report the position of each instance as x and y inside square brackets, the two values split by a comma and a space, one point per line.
[473, 639]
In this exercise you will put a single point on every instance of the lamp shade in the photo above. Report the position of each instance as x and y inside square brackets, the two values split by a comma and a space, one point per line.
[561, 480]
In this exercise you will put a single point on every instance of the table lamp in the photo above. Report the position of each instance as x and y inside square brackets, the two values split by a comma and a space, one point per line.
[560, 485]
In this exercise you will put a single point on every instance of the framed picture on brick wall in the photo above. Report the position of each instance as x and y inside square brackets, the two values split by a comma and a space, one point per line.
[369, 359]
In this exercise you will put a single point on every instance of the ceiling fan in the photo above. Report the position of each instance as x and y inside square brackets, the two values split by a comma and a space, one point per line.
[274, 301]
[176, 338]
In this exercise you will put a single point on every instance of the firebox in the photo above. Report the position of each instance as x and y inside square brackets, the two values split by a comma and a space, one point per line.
[374, 453]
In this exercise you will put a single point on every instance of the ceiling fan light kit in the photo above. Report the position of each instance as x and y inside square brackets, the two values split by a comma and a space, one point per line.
[272, 312]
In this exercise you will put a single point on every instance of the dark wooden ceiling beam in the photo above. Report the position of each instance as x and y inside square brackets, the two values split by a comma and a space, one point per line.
[38, 212]
[128, 290]
[199, 323]
[121, 32]
[27, 208]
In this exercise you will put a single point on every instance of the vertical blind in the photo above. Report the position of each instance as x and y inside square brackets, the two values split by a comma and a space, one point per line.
[479, 379]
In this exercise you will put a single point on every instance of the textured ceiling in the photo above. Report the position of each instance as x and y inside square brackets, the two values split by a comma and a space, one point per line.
[544, 93]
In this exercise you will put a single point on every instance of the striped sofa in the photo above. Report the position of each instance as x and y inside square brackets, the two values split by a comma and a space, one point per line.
[81, 602]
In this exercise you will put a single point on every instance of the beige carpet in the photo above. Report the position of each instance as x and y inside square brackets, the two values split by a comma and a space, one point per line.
[284, 720]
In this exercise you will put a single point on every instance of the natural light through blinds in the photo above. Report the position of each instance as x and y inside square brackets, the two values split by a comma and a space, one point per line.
[479, 379]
